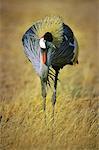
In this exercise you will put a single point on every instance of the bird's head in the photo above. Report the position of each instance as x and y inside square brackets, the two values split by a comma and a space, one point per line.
[47, 46]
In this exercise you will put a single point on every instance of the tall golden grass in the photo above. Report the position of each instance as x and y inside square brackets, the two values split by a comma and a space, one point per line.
[22, 123]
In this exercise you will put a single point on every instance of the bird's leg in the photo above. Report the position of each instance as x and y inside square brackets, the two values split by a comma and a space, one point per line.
[55, 88]
[43, 86]
[54, 101]
[54, 92]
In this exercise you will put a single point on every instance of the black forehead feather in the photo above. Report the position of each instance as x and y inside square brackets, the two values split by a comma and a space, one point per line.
[48, 37]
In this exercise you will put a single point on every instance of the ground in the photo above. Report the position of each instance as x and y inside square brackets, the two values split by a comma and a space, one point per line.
[22, 121]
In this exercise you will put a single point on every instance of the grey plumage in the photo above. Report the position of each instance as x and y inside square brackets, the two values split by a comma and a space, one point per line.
[59, 55]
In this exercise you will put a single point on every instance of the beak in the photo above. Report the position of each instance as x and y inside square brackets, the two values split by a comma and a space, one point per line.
[54, 46]
[44, 57]
[51, 45]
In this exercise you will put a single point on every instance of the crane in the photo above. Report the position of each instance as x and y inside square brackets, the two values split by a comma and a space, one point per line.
[50, 44]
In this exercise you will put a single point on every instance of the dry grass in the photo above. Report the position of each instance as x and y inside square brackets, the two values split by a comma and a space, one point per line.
[76, 112]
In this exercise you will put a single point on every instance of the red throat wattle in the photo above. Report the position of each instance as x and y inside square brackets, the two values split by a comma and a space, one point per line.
[44, 58]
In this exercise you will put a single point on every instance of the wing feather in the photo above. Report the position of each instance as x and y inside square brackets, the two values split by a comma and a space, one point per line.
[65, 53]
[31, 48]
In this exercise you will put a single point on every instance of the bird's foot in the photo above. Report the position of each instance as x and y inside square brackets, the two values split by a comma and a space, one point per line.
[44, 109]
[44, 103]
[53, 99]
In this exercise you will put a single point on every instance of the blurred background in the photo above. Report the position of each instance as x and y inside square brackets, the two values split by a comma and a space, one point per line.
[21, 117]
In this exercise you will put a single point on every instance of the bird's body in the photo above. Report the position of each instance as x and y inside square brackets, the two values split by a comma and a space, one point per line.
[49, 43]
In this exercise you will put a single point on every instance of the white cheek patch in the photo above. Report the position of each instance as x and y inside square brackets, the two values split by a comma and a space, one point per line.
[42, 43]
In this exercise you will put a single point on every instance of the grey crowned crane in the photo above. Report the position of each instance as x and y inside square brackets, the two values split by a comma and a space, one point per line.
[49, 44]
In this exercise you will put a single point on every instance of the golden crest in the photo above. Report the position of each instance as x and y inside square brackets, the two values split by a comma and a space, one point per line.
[52, 24]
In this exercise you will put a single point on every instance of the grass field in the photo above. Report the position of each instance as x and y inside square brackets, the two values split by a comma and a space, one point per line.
[22, 123]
